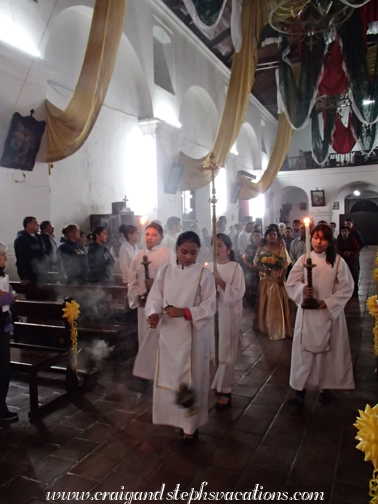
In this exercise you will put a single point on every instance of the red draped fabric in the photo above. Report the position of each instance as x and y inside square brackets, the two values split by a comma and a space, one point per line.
[334, 80]
[343, 140]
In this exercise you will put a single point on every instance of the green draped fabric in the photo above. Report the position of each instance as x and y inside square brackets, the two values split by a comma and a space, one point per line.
[299, 100]
[362, 86]
[208, 10]
[321, 147]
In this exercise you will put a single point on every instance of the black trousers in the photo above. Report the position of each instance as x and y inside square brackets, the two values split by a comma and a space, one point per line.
[5, 369]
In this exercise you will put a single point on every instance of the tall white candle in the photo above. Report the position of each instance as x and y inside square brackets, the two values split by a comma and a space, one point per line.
[143, 221]
[308, 242]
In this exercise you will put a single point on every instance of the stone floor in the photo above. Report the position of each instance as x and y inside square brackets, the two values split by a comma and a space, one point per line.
[104, 440]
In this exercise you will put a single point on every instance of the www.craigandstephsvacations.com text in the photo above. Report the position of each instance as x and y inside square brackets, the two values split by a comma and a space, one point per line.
[257, 494]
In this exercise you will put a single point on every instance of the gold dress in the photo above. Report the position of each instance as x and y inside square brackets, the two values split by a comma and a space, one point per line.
[274, 314]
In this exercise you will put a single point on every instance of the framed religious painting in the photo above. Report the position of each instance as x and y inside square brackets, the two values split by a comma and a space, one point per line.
[336, 205]
[317, 198]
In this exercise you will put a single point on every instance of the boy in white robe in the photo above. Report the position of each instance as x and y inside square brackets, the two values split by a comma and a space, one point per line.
[183, 296]
[145, 360]
[321, 354]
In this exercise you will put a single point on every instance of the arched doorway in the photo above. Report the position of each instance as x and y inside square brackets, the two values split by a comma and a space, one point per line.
[361, 205]
[293, 204]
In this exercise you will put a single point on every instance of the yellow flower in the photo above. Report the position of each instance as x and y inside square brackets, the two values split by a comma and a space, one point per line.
[371, 303]
[376, 261]
[263, 259]
[71, 311]
[375, 274]
[367, 435]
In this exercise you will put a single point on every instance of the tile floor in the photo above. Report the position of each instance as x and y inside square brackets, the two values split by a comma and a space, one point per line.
[104, 439]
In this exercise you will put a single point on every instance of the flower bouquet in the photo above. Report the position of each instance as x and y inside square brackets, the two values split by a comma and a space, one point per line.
[270, 261]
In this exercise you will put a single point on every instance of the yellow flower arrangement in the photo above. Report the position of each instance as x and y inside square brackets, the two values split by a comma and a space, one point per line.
[367, 435]
[372, 305]
[375, 274]
[376, 262]
[71, 312]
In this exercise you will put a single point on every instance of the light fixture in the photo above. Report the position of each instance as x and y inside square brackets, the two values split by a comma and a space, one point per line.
[356, 192]
[367, 102]
[14, 35]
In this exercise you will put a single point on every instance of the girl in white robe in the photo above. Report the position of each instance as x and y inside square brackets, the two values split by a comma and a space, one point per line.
[183, 296]
[230, 291]
[128, 250]
[321, 356]
[145, 360]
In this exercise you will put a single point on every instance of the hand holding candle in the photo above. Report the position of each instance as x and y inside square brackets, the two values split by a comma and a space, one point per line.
[308, 242]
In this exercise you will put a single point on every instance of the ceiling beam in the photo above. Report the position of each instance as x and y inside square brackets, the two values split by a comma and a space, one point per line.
[220, 37]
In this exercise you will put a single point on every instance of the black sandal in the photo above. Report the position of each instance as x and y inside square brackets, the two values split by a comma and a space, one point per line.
[189, 441]
[224, 406]
[298, 400]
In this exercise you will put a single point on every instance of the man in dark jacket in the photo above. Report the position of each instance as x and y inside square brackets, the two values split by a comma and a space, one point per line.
[47, 235]
[30, 253]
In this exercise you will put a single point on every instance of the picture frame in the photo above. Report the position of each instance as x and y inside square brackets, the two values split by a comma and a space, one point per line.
[336, 205]
[303, 206]
[318, 198]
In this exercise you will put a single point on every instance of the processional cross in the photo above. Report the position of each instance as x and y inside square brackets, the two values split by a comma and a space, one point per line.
[210, 165]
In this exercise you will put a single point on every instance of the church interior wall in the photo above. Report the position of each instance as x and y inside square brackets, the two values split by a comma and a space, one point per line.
[112, 162]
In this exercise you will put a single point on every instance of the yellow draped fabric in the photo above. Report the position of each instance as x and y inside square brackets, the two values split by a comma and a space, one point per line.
[281, 146]
[290, 9]
[67, 130]
[254, 18]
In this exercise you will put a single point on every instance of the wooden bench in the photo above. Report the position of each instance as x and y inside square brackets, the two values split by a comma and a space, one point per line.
[31, 359]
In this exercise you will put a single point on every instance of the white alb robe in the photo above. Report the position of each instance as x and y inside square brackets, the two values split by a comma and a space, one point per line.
[184, 345]
[126, 254]
[321, 354]
[230, 311]
[145, 360]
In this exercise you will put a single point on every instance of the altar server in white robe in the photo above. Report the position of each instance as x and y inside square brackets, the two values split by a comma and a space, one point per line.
[321, 355]
[185, 293]
[230, 291]
[128, 250]
[145, 360]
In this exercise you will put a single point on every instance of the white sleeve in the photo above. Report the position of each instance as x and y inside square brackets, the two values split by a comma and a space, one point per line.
[296, 282]
[134, 288]
[234, 291]
[124, 259]
[343, 289]
[155, 301]
[202, 314]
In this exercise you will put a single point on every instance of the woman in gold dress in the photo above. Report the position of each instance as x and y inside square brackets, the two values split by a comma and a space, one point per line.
[274, 315]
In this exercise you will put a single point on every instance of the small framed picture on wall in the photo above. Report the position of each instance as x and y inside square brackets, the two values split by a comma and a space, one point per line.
[336, 205]
[317, 198]
[303, 206]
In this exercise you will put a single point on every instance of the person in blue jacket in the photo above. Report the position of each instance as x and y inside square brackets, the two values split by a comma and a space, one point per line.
[100, 260]
[30, 253]
[72, 257]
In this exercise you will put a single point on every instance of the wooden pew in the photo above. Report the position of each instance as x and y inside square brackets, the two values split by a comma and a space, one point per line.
[33, 359]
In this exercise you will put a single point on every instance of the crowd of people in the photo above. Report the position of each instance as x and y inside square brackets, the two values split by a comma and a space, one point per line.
[177, 302]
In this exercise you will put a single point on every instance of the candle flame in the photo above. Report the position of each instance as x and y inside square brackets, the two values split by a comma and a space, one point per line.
[206, 264]
[143, 220]
[306, 221]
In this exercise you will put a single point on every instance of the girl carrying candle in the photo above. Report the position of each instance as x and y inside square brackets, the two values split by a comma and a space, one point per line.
[230, 284]
[183, 295]
[321, 356]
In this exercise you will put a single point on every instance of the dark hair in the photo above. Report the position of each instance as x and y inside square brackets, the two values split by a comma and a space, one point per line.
[44, 225]
[323, 222]
[296, 221]
[344, 227]
[27, 221]
[156, 226]
[82, 233]
[349, 220]
[328, 235]
[122, 228]
[256, 231]
[332, 223]
[272, 227]
[289, 227]
[127, 230]
[188, 237]
[227, 241]
[96, 231]
[172, 221]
